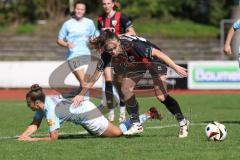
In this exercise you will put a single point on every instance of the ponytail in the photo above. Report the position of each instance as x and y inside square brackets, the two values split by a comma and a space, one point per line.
[117, 5]
[100, 41]
[35, 93]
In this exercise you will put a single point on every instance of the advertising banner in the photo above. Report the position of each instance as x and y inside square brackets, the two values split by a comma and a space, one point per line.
[213, 75]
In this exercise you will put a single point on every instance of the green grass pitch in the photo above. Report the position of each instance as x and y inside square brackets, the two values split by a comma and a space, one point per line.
[159, 140]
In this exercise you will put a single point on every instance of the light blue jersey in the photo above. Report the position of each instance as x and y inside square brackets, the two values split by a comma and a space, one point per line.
[78, 33]
[236, 25]
[58, 110]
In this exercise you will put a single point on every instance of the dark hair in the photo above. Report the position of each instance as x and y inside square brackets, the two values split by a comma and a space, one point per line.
[117, 5]
[80, 2]
[75, 4]
[101, 40]
[35, 93]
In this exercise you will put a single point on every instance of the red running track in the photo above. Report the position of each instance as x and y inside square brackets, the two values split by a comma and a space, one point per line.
[19, 94]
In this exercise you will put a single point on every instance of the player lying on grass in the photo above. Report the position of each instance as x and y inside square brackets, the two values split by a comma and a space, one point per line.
[57, 110]
[132, 57]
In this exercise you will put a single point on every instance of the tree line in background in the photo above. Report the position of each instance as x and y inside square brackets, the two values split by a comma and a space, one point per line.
[201, 11]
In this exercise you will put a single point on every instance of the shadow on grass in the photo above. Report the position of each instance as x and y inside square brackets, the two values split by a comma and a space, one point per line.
[87, 135]
[77, 136]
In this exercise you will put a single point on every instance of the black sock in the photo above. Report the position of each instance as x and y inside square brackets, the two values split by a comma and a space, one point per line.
[122, 103]
[109, 94]
[132, 109]
[173, 106]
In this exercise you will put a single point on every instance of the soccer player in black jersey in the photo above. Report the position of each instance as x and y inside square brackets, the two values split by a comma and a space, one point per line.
[132, 56]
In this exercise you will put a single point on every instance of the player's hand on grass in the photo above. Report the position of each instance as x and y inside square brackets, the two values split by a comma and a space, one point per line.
[77, 100]
[181, 71]
[227, 50]
[24, 138]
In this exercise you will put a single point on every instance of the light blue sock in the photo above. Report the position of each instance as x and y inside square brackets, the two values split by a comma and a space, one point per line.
[124, 126]
[143, 118]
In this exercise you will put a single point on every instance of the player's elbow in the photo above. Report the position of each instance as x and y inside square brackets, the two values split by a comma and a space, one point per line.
[54, 136]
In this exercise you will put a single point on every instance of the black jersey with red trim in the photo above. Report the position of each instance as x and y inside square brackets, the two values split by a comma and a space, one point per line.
[118, 23]
[136, 49]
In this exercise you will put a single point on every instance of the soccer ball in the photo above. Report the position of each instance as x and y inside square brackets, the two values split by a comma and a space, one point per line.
[216, 131]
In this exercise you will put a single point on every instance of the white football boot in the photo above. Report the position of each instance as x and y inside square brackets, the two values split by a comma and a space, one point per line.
[134, 130]
[111, 115]
[183, 132]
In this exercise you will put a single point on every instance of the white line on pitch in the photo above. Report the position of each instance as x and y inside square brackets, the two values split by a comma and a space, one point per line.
[174, 125]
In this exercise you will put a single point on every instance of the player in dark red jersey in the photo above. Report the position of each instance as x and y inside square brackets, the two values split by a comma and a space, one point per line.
[118, 23]
[131, 56]
[113, 20]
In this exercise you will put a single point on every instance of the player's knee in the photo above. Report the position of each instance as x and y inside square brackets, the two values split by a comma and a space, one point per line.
[83, 83]
[126, 90]
[161, 97]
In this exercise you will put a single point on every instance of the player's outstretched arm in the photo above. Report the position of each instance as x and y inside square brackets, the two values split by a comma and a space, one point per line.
[31, 129]
[52, 137]
[227, 46]
[180, 70]
[79, 98]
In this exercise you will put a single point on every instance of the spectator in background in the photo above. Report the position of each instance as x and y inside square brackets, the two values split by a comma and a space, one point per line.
[118, 23]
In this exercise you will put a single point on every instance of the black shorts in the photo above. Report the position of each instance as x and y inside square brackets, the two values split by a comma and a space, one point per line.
[139, 69]
[109, 65]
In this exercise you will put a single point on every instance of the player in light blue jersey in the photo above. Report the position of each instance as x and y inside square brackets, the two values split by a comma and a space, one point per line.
[57, 110]
[74, 35]
[227, 45]
[75, 32]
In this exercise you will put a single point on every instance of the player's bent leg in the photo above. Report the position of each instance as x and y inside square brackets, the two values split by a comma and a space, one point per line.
[130, 99]
[128, 85]
[173, 107]
[109, 92]
[129, 128]
[82, 77]
[122, 105]
[112, 131]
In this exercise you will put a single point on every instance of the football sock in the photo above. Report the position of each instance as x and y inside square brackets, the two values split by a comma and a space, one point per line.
[143, 118]
[173, 106]
[132, 108]
[183, 122]
[109, 94]
[122, 103]
[124, 126]
[122, 109]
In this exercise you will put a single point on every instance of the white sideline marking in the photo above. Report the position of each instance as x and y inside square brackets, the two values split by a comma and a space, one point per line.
[40, 135]
[175, 125]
